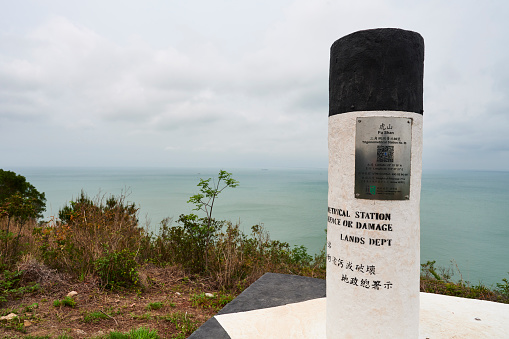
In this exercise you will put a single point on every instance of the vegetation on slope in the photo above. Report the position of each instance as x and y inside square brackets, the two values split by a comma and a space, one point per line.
[99, 241]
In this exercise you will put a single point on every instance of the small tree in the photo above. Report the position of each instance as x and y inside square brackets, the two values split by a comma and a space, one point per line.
[19, 202]
[205, 200]
[19, 199]
[203, 229]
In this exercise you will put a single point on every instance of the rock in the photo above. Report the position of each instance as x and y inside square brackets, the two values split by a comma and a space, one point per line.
[143, 280]
[178, 294]
[72, 294]
[9, 316]
[27, 323]
[79, 332]
[210, 295]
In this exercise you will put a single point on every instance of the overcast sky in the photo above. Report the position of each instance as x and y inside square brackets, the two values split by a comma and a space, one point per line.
[231, 83]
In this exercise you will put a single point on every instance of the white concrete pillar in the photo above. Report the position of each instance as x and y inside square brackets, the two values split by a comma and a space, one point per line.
[375, 152]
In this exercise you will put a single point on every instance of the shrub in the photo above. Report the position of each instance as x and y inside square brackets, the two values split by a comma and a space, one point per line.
[300, 256]
[234, 259]
[197, 236]
[10, 249]
[102, 237]
[117, 269]
[161, 248]
[503, 288]
[16, 242]
[90, 231]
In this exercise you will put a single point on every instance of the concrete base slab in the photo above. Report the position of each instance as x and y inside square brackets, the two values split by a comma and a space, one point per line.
[442, 316]
[300, 320]
[287, 306]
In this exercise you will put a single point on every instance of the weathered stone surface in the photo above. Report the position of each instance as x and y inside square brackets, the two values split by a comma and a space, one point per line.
[377, 70]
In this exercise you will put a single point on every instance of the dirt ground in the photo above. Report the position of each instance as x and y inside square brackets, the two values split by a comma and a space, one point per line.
[98, 312]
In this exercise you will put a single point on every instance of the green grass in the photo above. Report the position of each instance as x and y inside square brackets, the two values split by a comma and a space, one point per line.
[32, 307]
[139, 333]
[183, 324]
[15, 324]
[155, 305]
[217, 302]
[94, 317]
[67, 301]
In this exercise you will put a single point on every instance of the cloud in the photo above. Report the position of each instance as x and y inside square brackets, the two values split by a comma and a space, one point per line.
[234, 83]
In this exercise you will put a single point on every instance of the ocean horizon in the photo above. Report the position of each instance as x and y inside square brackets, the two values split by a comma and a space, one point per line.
[463, 213]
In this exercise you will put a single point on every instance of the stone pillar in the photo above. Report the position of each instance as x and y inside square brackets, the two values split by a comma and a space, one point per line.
[375, 158]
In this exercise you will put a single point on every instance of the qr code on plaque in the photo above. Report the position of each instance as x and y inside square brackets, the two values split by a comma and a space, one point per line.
[385, 153]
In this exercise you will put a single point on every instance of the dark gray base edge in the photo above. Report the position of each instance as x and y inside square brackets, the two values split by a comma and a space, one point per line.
[271, 290]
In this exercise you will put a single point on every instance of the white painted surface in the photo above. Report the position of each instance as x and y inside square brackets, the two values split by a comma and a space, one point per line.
[362, 311]
[452, 317]
[300, 320]
[442, 317]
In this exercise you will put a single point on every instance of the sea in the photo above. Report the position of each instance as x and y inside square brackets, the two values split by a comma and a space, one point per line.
[464, 214]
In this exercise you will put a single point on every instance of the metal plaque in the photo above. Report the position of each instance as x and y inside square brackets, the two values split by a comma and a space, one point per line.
[382, 158]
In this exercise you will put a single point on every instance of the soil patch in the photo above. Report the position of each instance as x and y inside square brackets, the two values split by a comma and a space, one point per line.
[164, 304]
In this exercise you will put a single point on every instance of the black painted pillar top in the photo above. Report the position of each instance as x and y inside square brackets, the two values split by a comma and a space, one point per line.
[377, 70]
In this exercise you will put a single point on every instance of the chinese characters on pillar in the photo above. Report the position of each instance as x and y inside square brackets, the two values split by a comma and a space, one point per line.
[357, 274]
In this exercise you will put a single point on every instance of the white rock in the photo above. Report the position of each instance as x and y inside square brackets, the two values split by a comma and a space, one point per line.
[178, 294]
[9, 316]
[72, 294]
[210, 295]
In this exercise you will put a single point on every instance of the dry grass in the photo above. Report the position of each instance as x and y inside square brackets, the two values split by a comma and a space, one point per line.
[34, 271]
[15, 239]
